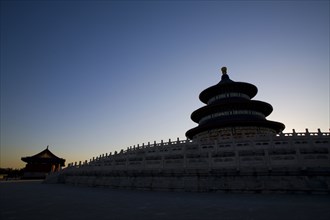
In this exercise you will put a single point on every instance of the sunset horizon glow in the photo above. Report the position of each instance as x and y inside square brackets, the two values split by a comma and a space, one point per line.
[89, 78]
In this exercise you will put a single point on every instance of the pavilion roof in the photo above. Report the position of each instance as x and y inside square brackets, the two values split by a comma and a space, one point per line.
[45, 155]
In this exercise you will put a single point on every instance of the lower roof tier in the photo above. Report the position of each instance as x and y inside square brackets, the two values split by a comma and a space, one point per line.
[33, 160]
[276, 126]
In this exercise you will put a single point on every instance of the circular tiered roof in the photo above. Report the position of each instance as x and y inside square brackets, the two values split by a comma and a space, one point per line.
[229, 105]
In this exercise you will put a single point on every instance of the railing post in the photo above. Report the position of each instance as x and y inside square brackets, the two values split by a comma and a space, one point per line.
[307, 132]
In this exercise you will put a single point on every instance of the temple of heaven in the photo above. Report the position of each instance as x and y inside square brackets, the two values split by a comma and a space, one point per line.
[229, 111]
[234, 148]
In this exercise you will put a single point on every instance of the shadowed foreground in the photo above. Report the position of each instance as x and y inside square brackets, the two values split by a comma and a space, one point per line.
[34, 200]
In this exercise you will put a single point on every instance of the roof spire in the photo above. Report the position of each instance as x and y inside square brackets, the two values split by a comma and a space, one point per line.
[224, 77]
[224, 70]
[47, 146]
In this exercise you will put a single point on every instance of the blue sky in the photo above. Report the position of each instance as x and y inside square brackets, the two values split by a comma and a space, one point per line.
[92, 77]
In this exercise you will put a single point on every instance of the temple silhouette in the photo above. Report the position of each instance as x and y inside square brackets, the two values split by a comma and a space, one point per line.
[230, 111]
[39, 165]
[233, 148]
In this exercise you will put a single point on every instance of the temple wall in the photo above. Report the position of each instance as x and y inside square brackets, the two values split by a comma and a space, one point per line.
[237, 133]
[205, 181]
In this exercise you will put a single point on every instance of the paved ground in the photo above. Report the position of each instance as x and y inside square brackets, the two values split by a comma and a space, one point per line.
[34, 200]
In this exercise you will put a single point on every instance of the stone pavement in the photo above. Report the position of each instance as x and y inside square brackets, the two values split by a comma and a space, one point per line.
[35, 200]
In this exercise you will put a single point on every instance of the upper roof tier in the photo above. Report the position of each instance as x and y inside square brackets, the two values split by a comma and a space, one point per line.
[226, 85]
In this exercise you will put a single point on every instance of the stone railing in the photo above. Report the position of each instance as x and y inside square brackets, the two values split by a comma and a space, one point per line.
[306, 133]
[137, 147]
[132, 148]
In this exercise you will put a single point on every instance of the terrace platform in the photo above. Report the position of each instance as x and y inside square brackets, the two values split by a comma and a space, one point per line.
[35, 200]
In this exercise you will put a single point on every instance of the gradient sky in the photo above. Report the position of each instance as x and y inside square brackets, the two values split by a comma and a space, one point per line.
[92, 77]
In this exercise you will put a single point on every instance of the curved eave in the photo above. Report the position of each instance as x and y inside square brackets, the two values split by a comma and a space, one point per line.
[43, 160]
[255, 105]
[222, 88]
[276, 126]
